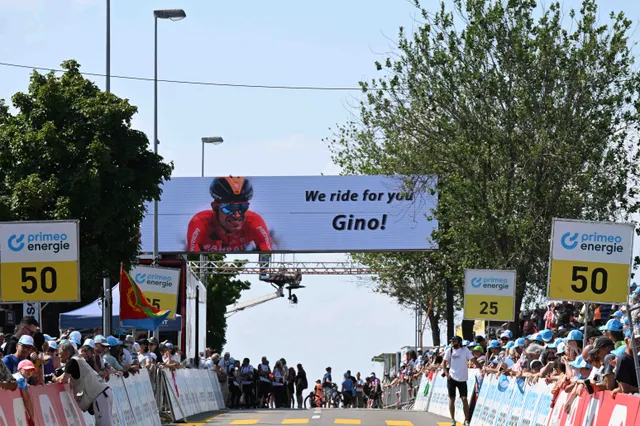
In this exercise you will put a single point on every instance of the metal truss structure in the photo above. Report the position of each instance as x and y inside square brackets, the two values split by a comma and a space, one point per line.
[271, 267]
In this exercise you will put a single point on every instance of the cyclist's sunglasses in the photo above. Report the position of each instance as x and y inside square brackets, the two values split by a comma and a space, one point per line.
[231, 208]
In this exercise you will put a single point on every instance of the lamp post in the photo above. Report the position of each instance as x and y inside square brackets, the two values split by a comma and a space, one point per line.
[174, 15]
[215, 140]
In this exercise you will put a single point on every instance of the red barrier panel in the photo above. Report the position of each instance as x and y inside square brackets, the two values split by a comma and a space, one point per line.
[53, 405]
[12, 411]
[599, 409]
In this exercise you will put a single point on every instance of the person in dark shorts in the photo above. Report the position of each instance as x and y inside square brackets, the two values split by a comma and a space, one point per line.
[456, 370]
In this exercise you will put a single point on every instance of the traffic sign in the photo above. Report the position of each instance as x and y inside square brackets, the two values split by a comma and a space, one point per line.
[159, 285]
[590, 261]
[489, 295]
[39, 261]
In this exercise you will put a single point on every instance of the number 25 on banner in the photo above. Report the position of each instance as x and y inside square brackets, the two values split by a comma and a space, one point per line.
[39, 281]
[489, 295]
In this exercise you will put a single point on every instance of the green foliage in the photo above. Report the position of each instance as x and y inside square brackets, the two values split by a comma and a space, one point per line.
[222, 290]
[69, 152]
[522, 115]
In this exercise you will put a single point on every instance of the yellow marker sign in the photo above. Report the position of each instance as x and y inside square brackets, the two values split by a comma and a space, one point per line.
[39, 262]
[159, 285]
[489, 295]
[590, 261]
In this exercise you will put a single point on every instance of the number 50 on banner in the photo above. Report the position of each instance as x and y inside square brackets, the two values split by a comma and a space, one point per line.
[590, 261]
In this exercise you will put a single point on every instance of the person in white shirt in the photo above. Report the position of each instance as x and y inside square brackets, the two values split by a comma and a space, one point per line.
[456, 370]
[145, 358]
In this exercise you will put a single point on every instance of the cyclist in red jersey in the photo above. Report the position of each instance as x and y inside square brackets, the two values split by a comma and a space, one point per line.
[229, 226]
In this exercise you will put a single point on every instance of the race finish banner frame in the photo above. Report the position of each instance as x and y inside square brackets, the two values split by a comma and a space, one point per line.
[40, 261]
[160, 286]
[590, 261]
[489, 294]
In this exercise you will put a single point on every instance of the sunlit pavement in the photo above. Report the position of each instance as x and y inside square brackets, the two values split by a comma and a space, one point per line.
[322, 417]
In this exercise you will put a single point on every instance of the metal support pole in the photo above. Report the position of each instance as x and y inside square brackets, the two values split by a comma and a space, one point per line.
[634, 343]
[196, 360]
[203, 280]
[106, 306]
[202, 173]
[156, 332]
[585, 338]
[155, 132]
[108, 71]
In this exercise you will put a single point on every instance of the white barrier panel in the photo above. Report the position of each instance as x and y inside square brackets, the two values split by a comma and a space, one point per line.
[422, 398]
[192, 392]
[217, 390]
[511, 402]
[133, 402]
[438, 397]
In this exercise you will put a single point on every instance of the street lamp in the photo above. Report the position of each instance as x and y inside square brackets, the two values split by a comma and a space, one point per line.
[215, 140]
[174, 15]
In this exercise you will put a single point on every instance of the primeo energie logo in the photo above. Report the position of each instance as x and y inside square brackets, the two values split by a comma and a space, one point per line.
[608, 244]
[40, 241]
[490, 282]
[163, 281]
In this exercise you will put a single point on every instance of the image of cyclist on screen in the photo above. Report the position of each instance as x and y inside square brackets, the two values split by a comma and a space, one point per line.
[229, 226]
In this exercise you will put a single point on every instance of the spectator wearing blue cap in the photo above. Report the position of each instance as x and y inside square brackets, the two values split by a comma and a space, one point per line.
[602, 355]
[614, 331]
[112, 356]
[546, 335]
[626, 370]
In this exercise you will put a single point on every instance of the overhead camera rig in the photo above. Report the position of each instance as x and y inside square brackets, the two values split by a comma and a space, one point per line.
[281, 275]
[246, 267]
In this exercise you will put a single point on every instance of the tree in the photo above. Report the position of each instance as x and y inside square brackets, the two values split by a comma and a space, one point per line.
[410, 279]
[222, 290]
[523, 118]
[69, 152]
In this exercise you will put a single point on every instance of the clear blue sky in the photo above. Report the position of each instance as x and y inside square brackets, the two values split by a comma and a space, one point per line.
[330, 43]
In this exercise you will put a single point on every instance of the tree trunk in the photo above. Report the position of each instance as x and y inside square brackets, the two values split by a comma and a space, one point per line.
[467, 329]
[451, 330]
[434, 322]
[521, 283]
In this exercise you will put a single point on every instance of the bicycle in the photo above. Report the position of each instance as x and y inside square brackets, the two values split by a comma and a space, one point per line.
[313, 401]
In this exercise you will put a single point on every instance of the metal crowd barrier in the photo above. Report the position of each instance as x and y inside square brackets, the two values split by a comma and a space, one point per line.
[399, 395]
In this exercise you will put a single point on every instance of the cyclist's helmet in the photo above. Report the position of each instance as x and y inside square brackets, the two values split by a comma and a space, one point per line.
[231, 189]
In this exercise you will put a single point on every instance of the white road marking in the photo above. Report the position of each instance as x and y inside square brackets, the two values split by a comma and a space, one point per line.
[315, 417]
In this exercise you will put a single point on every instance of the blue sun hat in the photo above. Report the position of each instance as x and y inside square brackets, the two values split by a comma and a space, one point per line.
[520, 342]
[620, 350]
[617, 314]
[494, 344]
[575, 335]
[580, 363]
[613, 325]
[547, 335]
[509, 345]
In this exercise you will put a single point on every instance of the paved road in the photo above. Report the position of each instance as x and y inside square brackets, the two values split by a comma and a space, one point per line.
[322, 417]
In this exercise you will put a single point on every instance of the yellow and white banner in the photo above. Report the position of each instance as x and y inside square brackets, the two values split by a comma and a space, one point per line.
[159, 285]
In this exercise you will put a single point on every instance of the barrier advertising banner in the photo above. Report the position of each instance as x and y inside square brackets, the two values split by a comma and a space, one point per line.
[290, 214]
[159, 285]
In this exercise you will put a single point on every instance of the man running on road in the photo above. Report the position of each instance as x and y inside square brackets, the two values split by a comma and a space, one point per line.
[229, 226]
[456, 370]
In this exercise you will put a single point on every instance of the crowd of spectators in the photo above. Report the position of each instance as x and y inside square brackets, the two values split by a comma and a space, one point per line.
[263, 386]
